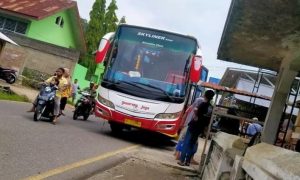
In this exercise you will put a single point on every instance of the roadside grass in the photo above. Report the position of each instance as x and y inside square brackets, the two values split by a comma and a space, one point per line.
[12, 97]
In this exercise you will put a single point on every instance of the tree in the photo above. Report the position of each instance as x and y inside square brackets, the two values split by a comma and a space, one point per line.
[111, 19]
[123, 20]
[95, 29]
[84, 24]
[94, 32]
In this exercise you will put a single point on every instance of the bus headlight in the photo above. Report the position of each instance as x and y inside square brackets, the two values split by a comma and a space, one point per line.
[168, 115]
[105, 102]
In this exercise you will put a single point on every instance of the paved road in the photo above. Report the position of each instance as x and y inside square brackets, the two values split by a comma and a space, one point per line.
[28, 148]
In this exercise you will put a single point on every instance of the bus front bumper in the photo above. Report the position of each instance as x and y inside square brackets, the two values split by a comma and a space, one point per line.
[167, 127]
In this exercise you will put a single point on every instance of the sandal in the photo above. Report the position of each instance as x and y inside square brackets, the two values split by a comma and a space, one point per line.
[181, 163]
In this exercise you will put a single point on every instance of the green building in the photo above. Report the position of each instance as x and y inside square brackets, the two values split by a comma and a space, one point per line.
[49, 33]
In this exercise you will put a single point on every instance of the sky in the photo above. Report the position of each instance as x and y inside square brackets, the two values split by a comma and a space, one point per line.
[203, 19]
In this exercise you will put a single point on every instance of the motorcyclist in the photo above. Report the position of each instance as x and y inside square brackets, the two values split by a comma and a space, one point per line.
[92, 91]
[61, 86]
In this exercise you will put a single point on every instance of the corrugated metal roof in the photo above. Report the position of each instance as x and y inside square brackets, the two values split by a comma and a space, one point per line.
[232, 76]
[37, 9]
[233, 90]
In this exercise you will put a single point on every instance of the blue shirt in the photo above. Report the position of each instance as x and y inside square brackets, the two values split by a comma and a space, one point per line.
[253, 129]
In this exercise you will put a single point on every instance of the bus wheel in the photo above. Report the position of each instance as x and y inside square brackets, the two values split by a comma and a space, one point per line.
[116, 128]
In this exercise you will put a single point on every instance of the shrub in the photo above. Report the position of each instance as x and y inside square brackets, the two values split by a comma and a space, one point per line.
[12, 97]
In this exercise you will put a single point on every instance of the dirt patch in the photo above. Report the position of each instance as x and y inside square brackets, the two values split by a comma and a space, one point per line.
[136, 169]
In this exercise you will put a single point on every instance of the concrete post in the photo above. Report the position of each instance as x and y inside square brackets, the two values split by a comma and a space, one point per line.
[282, 88]
[273, 117]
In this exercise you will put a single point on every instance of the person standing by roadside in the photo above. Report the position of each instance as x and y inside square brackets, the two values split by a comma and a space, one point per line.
[75, 88]
[66, 93]
[188, 116]
[254, 128]
[196, 126]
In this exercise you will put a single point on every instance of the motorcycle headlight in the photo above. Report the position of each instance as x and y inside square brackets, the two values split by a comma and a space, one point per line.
[168, 115]
[105, 102]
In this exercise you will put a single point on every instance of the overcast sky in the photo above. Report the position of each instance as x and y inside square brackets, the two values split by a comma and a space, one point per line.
[203, 19]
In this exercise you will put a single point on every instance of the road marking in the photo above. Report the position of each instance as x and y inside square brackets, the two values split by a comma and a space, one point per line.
[65, 168]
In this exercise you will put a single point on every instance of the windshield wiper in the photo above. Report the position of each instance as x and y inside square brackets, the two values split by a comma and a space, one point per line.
[142, 86]
[129, 83]
[109, 83]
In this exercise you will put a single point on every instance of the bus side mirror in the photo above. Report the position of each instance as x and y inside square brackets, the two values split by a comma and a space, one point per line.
[103, 47]
[102, 51]
[196, 69]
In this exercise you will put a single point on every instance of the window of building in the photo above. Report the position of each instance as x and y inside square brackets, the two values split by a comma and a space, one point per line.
[62, 23]
[10, 25]
[21, 27]
[2, 19]
[59, 21]
[13, 25]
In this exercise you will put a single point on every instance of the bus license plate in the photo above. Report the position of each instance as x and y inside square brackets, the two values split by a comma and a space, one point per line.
[132, 122]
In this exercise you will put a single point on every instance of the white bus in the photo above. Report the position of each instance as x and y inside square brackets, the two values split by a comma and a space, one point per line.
[147, 77]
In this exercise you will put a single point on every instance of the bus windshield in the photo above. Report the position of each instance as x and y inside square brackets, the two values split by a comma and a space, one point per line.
[150, 64]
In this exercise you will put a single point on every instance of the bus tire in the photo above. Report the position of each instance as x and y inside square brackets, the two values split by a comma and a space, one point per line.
[116, 128]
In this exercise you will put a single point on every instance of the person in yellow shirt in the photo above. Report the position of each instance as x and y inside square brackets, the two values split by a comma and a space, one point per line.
[61, 87]
[66, 93]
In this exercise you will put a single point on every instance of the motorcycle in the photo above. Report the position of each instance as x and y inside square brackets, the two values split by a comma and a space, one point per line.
[45, 103]
[9, 75]
[83, 106]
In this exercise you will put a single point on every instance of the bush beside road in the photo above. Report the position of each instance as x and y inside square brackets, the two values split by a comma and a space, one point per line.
[12, 97]
[6, 93]
[20, 90]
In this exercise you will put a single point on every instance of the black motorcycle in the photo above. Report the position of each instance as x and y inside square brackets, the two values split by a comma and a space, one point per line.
[83, 106]
[45, 103]
[9, 75]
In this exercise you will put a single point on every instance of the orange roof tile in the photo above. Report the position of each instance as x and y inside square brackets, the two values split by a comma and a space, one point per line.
[37, 9]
